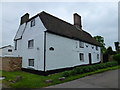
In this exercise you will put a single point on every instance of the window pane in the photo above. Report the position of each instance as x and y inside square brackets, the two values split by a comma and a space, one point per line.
[81, 55]
[30, 43]
[9, 50]
[15, 45]
[31, 62]
[81, 44]
[97, 56]
[33, 23]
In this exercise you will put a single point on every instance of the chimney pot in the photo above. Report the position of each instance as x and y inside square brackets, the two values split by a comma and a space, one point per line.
[24, 18]
[77, 20]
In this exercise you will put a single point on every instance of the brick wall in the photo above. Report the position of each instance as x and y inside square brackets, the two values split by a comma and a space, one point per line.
[10, 63]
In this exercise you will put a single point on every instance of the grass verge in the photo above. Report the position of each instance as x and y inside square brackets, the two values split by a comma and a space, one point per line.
[37, 81]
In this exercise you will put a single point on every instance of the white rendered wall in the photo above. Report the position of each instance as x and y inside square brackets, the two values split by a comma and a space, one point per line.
[66, 52]
[37, 53]
[4, 52]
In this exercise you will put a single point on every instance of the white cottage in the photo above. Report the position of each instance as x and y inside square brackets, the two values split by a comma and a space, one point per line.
[47, 43]
[7, 51]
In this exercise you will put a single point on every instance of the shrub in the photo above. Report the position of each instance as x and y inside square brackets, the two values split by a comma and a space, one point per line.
[89, 68]
[66, 74]
[110, 64]
[79, 70]
[92, 68]
[96, 67]
[73, 72]
[116, 57]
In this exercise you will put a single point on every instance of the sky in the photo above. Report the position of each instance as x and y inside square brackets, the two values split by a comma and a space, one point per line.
[98, 18]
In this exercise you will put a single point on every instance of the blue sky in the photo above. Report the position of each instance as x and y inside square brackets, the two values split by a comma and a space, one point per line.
[98, 18]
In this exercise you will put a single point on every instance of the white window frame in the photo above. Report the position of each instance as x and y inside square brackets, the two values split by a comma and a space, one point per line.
[32, 23]
[97, 56]
[29, 64]
[81, 56]
[31, 44]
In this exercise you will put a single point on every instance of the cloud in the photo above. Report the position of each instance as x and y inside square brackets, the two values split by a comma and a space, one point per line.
[98, 18]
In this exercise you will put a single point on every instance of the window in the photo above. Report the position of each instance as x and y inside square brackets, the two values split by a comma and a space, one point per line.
[86, 45]
[76, 44]
[81, 55]
[31, 62]
[81, 44]
[51, 48]
[92, 47]
[15, 45]
[97, 56]
[97, 48]
[30, 43]
[32, 22]
[9, 50]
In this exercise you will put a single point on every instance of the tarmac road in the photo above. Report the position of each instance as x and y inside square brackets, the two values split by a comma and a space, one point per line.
[108, 79]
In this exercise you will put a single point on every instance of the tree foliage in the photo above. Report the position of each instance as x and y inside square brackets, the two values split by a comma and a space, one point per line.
[110, 51]
[100, 39]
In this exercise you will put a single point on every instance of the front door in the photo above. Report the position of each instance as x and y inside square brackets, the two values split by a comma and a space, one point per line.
[90, 58]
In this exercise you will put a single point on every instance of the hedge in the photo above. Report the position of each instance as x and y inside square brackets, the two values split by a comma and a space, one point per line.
[89, 68]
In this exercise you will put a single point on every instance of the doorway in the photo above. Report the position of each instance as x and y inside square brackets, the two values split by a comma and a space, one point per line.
[90, 59]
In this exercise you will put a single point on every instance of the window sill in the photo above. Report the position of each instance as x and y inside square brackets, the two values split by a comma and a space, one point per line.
[31, 67]
[81, 47]
[81, 61]
[30, 48]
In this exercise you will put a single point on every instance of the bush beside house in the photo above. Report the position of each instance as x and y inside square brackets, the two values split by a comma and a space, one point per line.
[91, 68]
[116, 57]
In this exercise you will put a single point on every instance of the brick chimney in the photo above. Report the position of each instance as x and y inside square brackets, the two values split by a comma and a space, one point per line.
[77, 21]
[24, 18]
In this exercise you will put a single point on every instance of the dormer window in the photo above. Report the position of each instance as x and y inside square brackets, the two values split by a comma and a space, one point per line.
[81, 44]
[86, 45]
[32, 22]
[92, 47]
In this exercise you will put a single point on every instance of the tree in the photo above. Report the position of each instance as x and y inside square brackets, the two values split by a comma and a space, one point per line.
[100, 39]
[110, 51]
[107, 54]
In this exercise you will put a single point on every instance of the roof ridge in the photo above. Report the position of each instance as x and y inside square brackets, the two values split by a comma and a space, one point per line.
[56, 17]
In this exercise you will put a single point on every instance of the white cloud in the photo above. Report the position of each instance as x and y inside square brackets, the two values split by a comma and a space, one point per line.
[97, 18]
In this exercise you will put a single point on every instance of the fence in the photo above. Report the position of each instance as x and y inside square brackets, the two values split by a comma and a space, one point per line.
[10, 63]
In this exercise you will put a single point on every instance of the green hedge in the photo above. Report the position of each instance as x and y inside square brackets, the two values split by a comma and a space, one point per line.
[89, 68]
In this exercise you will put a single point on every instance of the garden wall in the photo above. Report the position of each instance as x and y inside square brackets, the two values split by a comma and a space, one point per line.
[10, 63]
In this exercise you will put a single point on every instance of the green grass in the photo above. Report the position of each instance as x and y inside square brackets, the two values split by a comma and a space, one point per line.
[37, 81]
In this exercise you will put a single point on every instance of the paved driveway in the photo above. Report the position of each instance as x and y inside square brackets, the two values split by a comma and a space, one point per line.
[108, 79]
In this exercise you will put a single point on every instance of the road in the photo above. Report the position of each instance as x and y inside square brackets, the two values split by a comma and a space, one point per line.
[108, 79]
